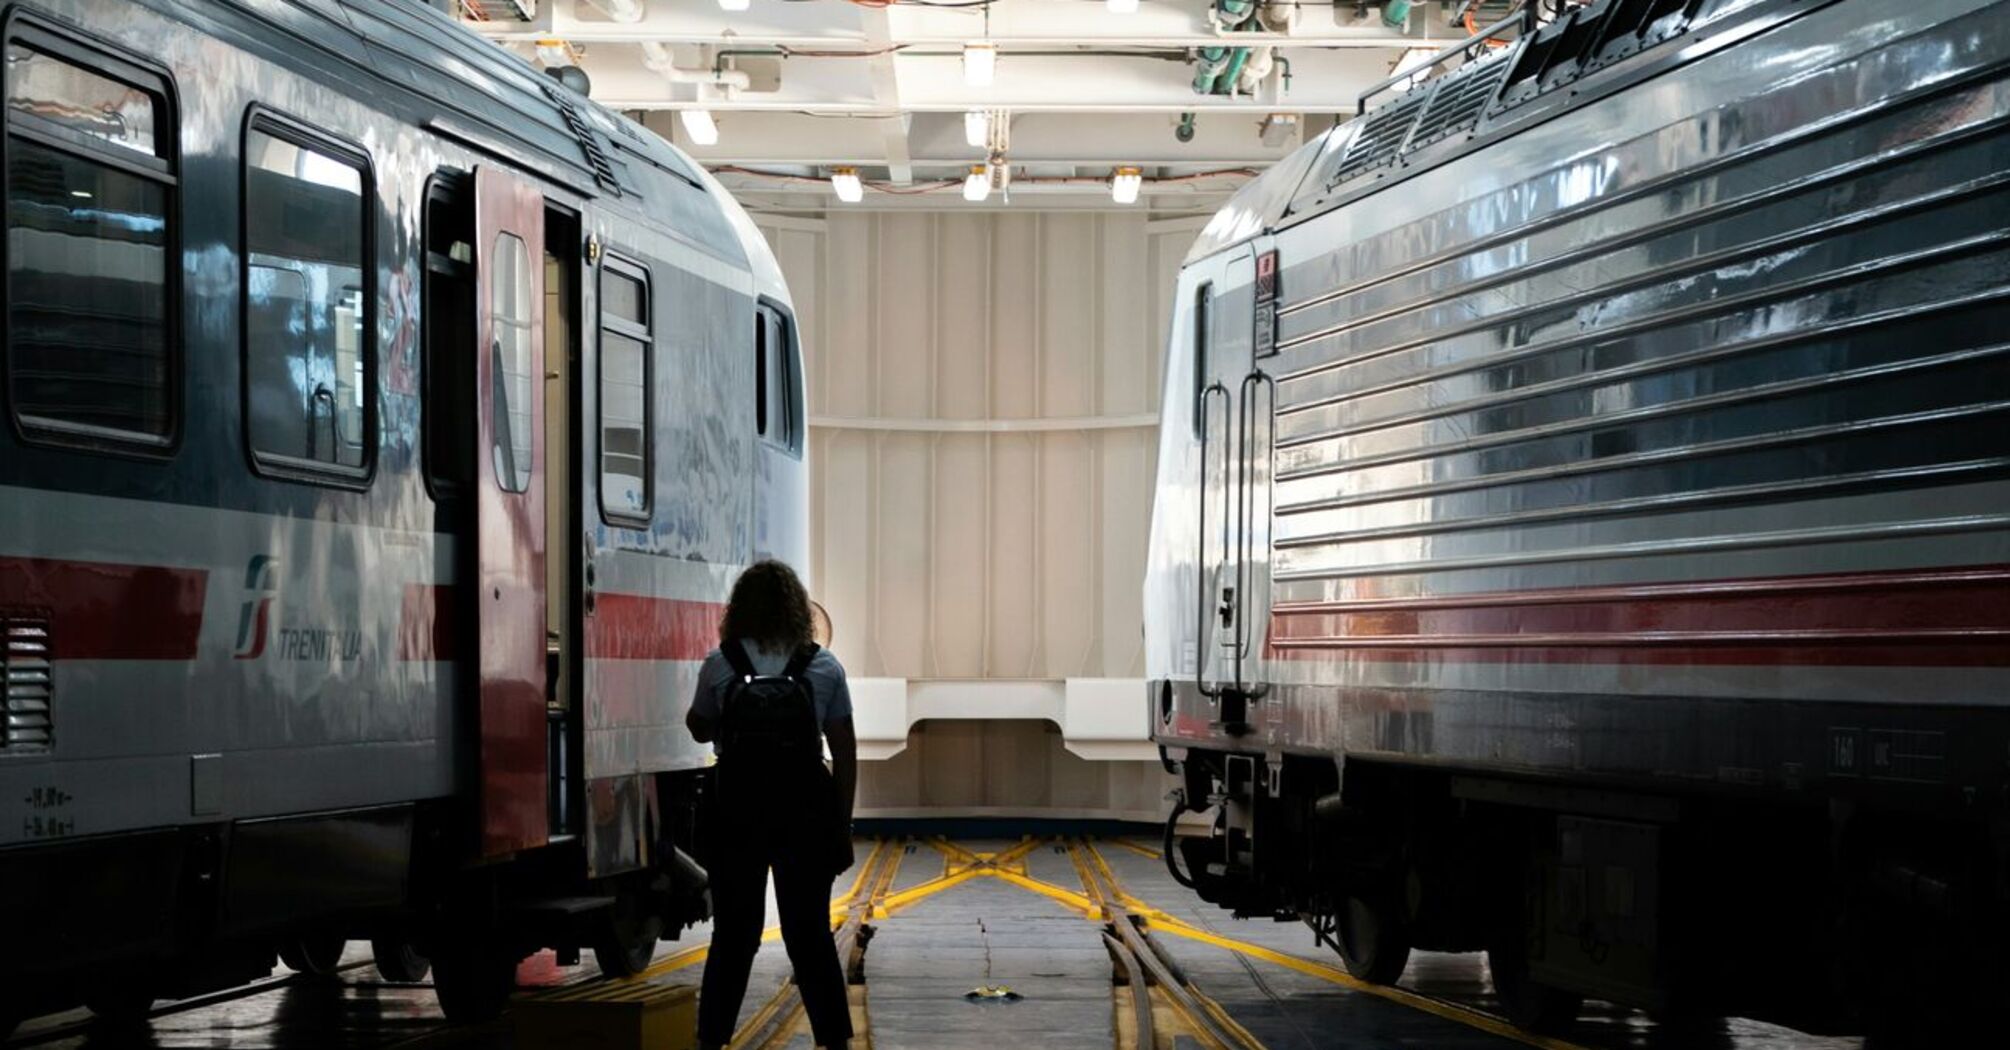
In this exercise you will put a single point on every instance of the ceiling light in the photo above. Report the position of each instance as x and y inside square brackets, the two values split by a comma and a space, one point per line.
[733, 5]
[977, 184]
[1123, 7]
[1124, 185]
[979, 62]
[977, 128]
[699, 125]
[845, 183]
[553, 52]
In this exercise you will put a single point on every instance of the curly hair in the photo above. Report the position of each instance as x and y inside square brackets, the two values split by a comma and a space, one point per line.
[769, 608]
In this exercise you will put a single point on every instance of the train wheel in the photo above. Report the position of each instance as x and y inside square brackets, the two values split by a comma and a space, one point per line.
[1371, 939]
[318, 956]
[472, 980]
[399, 962]
[1536, 1007]
[628, 941]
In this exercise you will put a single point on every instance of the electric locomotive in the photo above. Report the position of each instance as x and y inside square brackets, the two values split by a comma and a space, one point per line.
[1582, 528]
[386, 422]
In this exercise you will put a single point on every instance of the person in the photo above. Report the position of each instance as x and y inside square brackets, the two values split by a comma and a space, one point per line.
[777, 807]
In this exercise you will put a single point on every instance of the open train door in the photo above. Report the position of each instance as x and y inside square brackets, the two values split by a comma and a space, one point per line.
[509, 511]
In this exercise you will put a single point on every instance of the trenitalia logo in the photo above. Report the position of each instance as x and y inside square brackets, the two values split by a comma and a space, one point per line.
[253, 620]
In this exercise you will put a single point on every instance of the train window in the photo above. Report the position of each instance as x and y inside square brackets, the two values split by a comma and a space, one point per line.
[511, 355]
[308, 373]
[775, 403]
[1203, 343]
[89, 286]
[624, 391]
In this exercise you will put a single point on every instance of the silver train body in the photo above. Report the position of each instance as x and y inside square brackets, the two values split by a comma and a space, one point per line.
[386, 424]
[1583, 514]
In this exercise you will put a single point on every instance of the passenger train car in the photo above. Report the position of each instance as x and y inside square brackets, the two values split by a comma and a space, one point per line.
[1583, 516]
[385, 423]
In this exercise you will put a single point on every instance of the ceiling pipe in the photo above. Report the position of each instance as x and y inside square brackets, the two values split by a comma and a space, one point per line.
[657, 57]
[618, 10]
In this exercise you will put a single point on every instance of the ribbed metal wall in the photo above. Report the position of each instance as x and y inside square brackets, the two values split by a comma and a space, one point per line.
[983, 396]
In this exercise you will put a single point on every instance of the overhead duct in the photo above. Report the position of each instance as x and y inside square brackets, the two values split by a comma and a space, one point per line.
[619, 10]
[658, 58]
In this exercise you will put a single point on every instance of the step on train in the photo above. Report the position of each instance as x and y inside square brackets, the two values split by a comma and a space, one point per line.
[1582, 522]
[385, 424]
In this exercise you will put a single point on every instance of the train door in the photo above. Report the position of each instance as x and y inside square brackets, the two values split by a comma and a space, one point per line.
[1234, 412]
[509, 512]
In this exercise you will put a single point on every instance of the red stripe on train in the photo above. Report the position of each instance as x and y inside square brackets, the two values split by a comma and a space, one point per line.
[105, 610]
[622, 627]
[639, 627]
[1958, 617]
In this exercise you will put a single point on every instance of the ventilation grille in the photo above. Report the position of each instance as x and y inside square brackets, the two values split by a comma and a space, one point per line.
[1459, 100]
[589, 144]
[1380, 140]
[1591, 38]
[24, 667]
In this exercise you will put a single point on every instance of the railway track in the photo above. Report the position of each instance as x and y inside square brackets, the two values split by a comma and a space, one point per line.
[89, 1026]
[778, 1019]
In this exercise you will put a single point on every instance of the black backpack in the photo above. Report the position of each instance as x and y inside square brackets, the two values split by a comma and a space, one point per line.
[767, 717]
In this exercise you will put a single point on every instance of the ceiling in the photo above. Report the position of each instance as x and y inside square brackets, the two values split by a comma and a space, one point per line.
[796, 88]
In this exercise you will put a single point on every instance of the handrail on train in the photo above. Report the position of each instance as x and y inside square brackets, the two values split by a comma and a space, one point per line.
[1525, 16]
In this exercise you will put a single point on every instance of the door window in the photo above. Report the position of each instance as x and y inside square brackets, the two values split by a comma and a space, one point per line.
[510, 359]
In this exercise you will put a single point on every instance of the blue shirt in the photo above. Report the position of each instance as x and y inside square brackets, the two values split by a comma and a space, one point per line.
[826, 678]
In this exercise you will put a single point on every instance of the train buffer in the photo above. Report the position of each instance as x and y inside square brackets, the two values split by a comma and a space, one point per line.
[609, 1015]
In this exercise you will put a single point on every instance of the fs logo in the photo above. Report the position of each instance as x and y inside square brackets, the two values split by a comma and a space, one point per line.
[253, 621]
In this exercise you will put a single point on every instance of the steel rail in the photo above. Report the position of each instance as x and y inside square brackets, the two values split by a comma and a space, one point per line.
[92, 1025]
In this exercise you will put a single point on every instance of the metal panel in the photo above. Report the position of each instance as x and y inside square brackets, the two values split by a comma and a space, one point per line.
[1693, 392]
[509, 510]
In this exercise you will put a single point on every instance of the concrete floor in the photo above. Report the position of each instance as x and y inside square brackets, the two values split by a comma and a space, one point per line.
[932, 950]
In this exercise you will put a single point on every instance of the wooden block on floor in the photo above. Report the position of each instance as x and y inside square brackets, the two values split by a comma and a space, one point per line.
[609, 1015]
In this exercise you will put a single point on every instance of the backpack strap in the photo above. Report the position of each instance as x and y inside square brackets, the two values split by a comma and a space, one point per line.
[737, 658]
[800, 662]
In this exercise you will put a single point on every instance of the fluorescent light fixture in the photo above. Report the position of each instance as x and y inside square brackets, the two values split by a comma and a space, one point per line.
[977, 184]
[1124, 185]
[980, 61]
[845, 183]
[699, 125]
[81, 194]
[733, 5]
[1123, 7]
[977, 128]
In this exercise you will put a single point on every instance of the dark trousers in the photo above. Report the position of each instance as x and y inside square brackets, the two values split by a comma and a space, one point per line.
[739, 880]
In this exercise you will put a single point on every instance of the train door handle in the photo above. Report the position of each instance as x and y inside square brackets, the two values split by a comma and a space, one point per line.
[1227, 607]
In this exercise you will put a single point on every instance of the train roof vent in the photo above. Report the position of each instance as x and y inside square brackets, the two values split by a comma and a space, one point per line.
[1380, 139]
[25, 676]
[1589, 39]
[589, 143]
[1459, 100]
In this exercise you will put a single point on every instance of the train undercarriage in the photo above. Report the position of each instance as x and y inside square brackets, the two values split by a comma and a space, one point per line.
[1835, 916]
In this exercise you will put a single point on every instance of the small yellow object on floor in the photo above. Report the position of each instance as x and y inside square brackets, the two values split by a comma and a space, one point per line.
[609, 1015]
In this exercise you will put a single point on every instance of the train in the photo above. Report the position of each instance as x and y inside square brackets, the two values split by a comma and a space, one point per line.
[385, 424]
[1582, 518]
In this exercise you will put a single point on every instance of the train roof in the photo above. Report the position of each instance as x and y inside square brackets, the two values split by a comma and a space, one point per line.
[461, 86]
[1596, 50]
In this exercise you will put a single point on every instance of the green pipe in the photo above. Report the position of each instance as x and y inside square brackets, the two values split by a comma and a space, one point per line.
[1234, 73]
[1396, 14]
[1208, 69]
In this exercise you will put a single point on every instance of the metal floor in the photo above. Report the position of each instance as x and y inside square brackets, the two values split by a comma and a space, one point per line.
[950, 917]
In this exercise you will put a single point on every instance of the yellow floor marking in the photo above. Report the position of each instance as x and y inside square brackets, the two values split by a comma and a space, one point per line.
[1146, 851]
[1335, 975]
